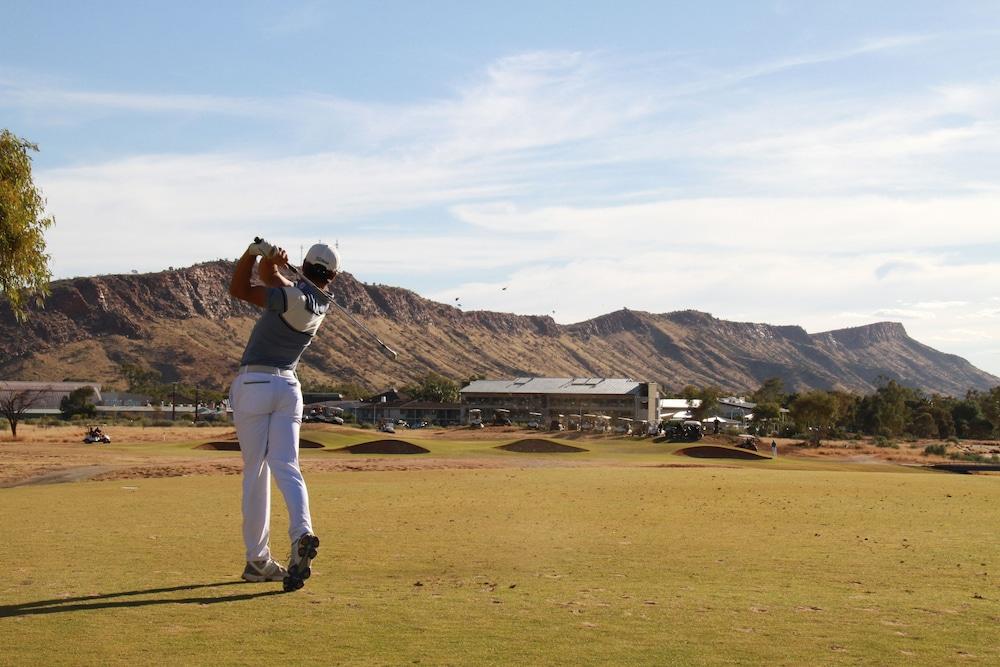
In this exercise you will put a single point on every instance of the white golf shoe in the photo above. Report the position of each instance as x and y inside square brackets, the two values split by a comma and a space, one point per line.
[264, 570]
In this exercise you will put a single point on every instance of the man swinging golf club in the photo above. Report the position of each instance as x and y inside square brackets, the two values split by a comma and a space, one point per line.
[267, 403]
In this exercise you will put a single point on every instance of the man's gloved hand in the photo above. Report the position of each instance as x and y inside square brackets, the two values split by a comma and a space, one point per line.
[260, 247]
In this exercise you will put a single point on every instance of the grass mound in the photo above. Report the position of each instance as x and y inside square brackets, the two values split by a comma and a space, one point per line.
[717, 452]
[384, 447]
[234, 445]
[540, 446]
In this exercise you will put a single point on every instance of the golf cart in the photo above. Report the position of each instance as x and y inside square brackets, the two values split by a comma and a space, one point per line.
[475, 418]
[624, 426]
[501, 417]
[96, 436]
[689, 430]
[557, 424]
[747, 441]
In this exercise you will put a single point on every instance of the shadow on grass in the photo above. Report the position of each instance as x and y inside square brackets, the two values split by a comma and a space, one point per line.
[105, 601]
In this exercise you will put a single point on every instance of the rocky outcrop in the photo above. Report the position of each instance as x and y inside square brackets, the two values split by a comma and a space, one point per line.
[185, 324]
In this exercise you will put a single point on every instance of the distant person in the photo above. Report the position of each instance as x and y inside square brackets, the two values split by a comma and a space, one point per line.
[267, 403]
[774, 449]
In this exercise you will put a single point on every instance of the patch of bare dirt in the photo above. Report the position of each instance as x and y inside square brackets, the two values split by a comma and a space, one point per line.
[540, 446]
[173, 470]
[61, 476]
[388, 446]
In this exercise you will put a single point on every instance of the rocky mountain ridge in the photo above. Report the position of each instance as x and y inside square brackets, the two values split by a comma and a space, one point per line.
[184, 324]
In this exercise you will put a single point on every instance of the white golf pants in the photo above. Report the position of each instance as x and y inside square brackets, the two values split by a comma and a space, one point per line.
[267, 411]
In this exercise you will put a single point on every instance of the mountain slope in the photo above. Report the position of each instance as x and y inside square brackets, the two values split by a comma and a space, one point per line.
[184, 324]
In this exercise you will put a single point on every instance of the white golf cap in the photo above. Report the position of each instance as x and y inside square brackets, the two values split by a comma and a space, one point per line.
[323, 255]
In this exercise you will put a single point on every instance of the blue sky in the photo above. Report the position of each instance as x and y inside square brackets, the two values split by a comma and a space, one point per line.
[822, 164]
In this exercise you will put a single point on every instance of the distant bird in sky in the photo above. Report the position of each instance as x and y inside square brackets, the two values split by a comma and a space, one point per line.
[503, 289]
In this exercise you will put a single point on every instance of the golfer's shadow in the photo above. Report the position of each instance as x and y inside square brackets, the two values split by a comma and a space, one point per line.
[107, 601]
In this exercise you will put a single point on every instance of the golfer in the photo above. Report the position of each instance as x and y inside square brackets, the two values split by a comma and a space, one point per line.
[267, 403]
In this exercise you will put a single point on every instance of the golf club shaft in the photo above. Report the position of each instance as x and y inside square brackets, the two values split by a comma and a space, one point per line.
[298, 273]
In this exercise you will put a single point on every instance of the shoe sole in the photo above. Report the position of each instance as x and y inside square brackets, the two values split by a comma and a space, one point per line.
[300, 570]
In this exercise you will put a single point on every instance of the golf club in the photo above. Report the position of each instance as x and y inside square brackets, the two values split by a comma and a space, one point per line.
[329, 297]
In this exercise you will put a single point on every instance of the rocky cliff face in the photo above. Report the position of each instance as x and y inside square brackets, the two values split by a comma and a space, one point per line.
[185, 324]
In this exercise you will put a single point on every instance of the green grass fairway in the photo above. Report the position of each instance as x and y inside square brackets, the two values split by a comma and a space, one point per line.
[739, 564]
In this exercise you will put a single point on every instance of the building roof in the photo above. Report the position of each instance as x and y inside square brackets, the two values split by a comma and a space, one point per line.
[428, 405]
[737, 402]
[679, 403]
[526, 385]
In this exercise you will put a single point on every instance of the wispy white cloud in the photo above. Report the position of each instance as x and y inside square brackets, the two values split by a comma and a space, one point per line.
[583, 187]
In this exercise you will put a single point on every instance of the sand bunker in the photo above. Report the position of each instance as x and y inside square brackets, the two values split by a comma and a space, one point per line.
[384, 447]
[539, 446]
[965, 468]
[234, 446]
[716, 452]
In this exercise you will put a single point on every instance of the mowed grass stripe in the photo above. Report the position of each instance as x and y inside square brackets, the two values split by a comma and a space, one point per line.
[539, 566]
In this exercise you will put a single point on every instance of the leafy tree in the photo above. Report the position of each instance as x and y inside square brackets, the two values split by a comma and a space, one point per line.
[816, 409]
[924, 425]
[772, 391]
[433, 387]
[24, 265]
[990, 404]
[939, 407]
[765, 412]
[886, 411]
[709, 397]
[143, 380]
[78, 402]
[14, 403]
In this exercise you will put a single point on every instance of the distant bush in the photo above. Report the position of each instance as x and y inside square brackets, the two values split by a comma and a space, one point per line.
[882, 441]
[953, 440]
[936, 450]
[968, 456]
[161, 422]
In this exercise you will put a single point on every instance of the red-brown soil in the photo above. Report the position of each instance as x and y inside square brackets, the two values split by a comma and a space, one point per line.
[384, 447]
[539, 446]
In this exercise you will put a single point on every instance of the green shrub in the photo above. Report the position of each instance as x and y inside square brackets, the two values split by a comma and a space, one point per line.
[936, 450]
[967, 456]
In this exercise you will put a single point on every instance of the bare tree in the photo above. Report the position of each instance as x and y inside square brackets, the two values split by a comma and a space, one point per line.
[15, 402]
